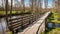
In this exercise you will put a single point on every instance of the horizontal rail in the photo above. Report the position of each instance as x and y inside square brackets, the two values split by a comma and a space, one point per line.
[16, 22]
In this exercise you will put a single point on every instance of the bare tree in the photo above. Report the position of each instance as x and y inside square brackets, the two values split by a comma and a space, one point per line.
[2, 4]
[20, 5]
[23, 5]
[31, 5]
[53, 3]
[35, 5]
[39, 5]
[46, 4]
[11, 7]
[58, 6]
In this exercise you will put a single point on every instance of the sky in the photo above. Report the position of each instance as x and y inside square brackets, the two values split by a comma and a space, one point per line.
[43, 6]
[0, 2]
[27, 3]
[49, 4]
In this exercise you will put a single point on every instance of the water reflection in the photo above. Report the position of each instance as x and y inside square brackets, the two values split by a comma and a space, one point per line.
[2, 26]
[57, 25]
[52, 25]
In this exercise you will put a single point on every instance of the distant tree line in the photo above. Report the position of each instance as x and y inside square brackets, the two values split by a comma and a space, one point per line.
[19, 5]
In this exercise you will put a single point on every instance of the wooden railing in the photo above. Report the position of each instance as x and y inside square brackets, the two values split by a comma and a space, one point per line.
[22, 21]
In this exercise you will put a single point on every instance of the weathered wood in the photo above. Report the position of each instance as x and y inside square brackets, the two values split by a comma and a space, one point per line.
[38, 27]
[16, 23]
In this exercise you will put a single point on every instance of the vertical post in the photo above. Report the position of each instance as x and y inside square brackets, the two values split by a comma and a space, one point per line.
[23, 10]
[11, 15]
[6, 6]
[45, 23]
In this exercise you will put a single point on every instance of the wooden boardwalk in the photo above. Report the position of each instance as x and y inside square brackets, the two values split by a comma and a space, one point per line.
[37, 27]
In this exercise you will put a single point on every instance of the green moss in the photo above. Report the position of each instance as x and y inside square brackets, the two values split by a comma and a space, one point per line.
[53, 31]
[14, 12]
[54, 18]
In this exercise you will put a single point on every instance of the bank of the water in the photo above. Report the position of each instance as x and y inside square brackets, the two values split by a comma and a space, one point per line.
[54, 18]
[52, 31]
[52, 28]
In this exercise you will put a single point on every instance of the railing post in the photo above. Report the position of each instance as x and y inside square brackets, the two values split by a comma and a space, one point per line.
[45, 23]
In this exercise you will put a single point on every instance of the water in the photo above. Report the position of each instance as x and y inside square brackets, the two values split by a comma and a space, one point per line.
[57, 25]
[52, 25]
[2, 25]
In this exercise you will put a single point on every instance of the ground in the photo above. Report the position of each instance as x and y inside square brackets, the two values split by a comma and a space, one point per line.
[54, 18]
[53, 31]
